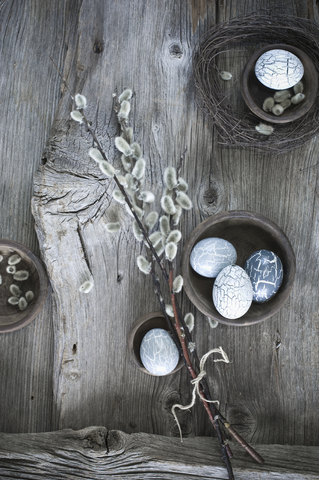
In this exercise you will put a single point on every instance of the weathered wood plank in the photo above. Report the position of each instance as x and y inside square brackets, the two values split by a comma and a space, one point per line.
[97, 453]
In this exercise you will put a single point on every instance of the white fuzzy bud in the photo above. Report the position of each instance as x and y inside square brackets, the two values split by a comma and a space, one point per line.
[15, 290]
[147, 197]
[170, 178]
[298, 88]
[144, 265]
[80, 101]
[164, 225]
[297, 98]
[14, 259]
[21, 275]
[127, 208]
[159, 249]
[139, 212]
[22, 303]
[138, 234]
[151, 219]
[77, 116]
[130, 182]
[13, 300]
[176, 217]
[277, 109]
[174, 236]
[264, 129]
[125, 95]
[126, 162]
[122, 181]
[96, 155]
[178, 284]
[191, 346]
[124, 110]
[286, 103]
[170, 251]
[167, 205]
[137, 151]
[118, 196]
[268, 104]
[29, 295]
[281, 95]
[139, 169]
[155, 238]
[212, 323]
[123, 146]
[184, 201]
[190, 321]
[113, 227]
[169, 310]
[182, 185]
[226, 75]
[86, 286]
[129, 134]
[107, 168]
[168, 192]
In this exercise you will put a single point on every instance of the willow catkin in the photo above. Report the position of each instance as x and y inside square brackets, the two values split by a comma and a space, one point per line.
[14, 259]
[297, 98]
[178, 284]
[176, 217]
[168, 205]
[139, 169]
[226, 75]
[113, 227]
[123, 146]
[144, 265]
[174, 236]
[155, 238]
[169, 310]
[138, 234]
[136, 150]
[86, 286]
[151, 219]
[170, 251]
[118, 196]
[125, 95]
[182, 185]
[170, 178]
[264, 129]
[126, 162]
[96, 155]
[124, 110]
[147, 197]
[22, 303]
[164, 225]
[184, 201]
[80, 101]
[190, 321]
[21, 275]
[107, 168]
[77, 116]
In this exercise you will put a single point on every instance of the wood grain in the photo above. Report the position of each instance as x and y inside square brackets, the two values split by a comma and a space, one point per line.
[98, 454]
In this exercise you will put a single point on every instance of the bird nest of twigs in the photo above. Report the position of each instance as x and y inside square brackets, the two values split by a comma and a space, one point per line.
[227, 47]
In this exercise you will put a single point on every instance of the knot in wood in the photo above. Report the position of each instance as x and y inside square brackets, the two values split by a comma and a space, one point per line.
[211, 197]
[175, 50]
[97, 48]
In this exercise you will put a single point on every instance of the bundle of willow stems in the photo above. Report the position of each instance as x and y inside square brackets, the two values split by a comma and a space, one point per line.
[242, 34]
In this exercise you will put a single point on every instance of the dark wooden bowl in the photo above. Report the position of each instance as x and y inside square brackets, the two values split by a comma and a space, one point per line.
[11, 317]
[140, 328]
[248, 232]
[255, 93]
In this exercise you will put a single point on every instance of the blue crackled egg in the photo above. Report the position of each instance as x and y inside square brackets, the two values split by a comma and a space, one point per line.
[210, 255]
[265, 271]
[158, 352]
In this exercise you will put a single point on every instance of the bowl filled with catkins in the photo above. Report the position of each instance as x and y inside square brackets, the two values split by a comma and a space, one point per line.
[279, 84]
[23, 286]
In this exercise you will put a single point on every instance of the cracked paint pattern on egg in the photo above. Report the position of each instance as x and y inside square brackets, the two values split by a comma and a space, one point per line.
[265, 271]
[158, 352]
[279, 69]
[210, 255]
[232, 292]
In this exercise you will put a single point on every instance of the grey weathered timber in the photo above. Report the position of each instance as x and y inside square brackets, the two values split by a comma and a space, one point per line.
[96, 453]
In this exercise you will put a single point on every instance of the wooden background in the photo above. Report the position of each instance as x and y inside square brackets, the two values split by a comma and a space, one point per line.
[69, 368]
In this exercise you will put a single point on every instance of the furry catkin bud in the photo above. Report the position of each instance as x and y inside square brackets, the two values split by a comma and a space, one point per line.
[118, 196]
[174, 236]
[159, 249]
[113, 227]
[29, 295]
[268, 104]
[125, 95]
[147, 197]
[184, 201]
[168, 192]
[143, 264]
[264, 129]
[77, 116]
[226, 75]
[107, 168]
[138, 234]
[139, 169]
[170, 251]
[169, 310]
[127, 208]
[170, 178]
[15, 290]
[167, 205]
[122, 180]
[155, 238]
[22, 304]
[137, 151]
[130, 181]
[164, 225]
[190, 321]
[176, 217]
[277, 109]
[124, 110]
[14, 259]
[86, 286]
[21, 275]
[129, 134]
[123, 146]
[178, 284]
[297, 98]
[139, 212]
[80, 101]
[127, 165]
[13, 300]
[96, 155]
[151, 219]
[182, 185]
[286, 103]
[281, 95]
[212, 323]
[298, 88]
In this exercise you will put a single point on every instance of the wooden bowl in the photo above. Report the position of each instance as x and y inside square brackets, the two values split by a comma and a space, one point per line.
[11, 317]
[140, 328]
[247, 232]
[255, 93]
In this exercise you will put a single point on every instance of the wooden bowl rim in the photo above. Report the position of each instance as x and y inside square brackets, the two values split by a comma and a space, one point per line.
[43, 290]
[259, 221]
[305, 106]
[130, 342]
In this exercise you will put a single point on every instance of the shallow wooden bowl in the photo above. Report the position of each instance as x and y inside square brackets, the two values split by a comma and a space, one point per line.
[247, 232]
[255, 93]
[139, 330]
[11, 317]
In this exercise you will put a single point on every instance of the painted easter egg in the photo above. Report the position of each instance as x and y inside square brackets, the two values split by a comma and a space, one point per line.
[232, 292]
[158, 352]
[265, 271]
[210, 255]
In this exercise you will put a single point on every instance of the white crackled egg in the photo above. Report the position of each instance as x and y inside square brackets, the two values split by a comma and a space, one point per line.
[232, 292]
[158, 352]
[210, 255]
